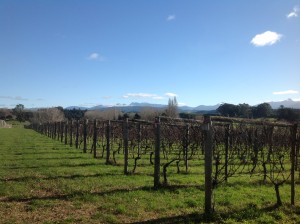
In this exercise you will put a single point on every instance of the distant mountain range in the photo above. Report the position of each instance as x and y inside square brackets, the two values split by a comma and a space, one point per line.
[137, 107]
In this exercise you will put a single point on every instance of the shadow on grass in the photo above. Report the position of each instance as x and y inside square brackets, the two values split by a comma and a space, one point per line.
[49, 158]
[70, 177]
[102, 193]
[49, 166]
[19, 154]
[250, 212]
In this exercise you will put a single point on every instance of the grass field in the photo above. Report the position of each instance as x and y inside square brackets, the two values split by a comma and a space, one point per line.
[44, 181]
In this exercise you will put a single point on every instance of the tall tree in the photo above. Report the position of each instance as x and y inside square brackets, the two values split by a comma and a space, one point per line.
[48, 115]
[172, 110]
[288, 114]
[19, 112]
[262, 110]
[228, 110]
[244, 110]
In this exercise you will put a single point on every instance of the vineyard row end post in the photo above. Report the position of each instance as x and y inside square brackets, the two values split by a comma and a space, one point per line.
[157, 154]
[293, 161]
[108, 142]
[85, 122]
[208, 154]
[125, 139]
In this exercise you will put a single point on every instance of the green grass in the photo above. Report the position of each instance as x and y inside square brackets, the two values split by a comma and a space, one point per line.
[44, 181]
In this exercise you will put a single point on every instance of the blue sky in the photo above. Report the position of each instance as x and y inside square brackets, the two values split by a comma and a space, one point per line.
[91, 52]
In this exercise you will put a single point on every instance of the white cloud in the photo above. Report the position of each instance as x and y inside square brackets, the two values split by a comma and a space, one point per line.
[171, 94]
[143, 95]
[158, 98]
[139, 95]
[171, 17]
[106, 97]
[149, 95]
[293, 13]
[266, 38]
[181, 104]
[96, 57]
[286, 92]
[13, 98]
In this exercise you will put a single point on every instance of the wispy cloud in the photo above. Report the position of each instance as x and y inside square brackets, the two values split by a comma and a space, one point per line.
[140, 95]
[149, 95]
[95, 57]
[171, 17]
[293, 13]
[286, 92]
[266, 38]
[87, 105]
[19, 98]
[106, 97]
[171, 94]
[158, 97]
[181, 104]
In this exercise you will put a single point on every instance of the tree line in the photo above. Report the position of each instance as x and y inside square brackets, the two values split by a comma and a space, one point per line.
[56, 114]
[263, 110]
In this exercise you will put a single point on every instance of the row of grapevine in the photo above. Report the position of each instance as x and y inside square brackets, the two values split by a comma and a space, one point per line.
[221, 147]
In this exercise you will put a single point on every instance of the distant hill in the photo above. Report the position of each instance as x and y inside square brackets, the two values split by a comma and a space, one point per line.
[137, 107]
[76, 108]
[286, 103]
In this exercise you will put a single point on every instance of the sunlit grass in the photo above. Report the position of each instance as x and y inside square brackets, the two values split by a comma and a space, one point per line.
[45, 181]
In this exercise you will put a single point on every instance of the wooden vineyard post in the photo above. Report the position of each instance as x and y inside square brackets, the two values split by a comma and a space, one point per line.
[84, 135]
[227, 136]
[157, 154]
[208, 152]
[66, 133]
[55, 128]
[71, 133]
[47, 129]
[293, 161]
[77, 133]
[139, 139]
[186, 147]
[95, 139]
[125, 139]
[108, 142]
[61, 131]
[58, 131]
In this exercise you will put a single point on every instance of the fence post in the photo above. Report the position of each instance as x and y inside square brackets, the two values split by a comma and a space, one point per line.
[157, 154]
[55, 127]
[95, 139]
[85, 122]
[61, 131]
[71, 133]
[208, 152]
[77, 133]
[293, 160]
[139, 139]
[227, 136]
[125, 139]
[66, 132]
[108, 142]
[186, 147]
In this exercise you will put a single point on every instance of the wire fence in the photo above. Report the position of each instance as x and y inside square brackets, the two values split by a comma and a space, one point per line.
[219, 148]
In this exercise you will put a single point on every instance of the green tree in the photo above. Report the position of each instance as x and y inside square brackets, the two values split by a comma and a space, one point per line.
[228, 110]
[244, 110]
[288, 114]
[262, 110]
[172, 109]
[137, 116]
[19, 112]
